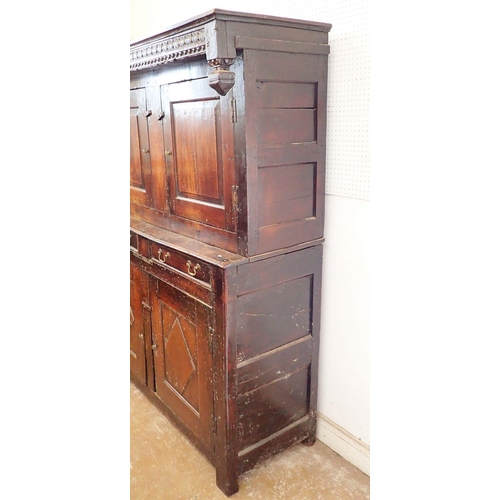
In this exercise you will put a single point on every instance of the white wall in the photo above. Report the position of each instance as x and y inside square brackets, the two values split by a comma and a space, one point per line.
[344, 402]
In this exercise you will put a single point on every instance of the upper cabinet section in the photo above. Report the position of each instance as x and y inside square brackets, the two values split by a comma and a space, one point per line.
[227, 130]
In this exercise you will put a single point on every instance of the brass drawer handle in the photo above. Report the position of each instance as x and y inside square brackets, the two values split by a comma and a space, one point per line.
[167, 255]
[192, 272]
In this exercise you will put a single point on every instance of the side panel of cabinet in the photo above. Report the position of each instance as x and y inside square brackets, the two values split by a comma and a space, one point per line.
[286, 135]
[183, 359]
[138, 322]
[277, 321]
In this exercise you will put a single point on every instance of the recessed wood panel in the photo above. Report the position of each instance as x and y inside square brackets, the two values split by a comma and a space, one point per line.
[140, 162]
[272, 407]
[136, 179]
[197, 163]
[271, 317]
[286, 193]
[270, 366]
[286, 126]
[286, 95]
[180, 353]
[198, 138]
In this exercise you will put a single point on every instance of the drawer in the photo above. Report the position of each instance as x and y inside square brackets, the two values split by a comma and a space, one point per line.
[185, 264]
[139, 245]
[134, 241]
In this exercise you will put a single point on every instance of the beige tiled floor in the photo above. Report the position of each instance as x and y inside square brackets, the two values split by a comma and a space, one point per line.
[165, 466]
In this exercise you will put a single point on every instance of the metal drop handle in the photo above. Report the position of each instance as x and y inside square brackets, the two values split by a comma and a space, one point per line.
[167, 255]
[194, 270]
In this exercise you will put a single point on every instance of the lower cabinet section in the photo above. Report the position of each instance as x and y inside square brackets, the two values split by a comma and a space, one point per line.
[229, 355]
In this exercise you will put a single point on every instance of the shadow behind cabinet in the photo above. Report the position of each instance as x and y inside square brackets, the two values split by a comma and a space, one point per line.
[227, 165]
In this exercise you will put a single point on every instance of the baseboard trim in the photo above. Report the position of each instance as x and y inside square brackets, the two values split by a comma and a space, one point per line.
[344, 443]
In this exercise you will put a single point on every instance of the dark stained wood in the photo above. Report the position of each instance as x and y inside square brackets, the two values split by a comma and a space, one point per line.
[285, 131]
[273, 364]
[140, 160]
[287, 95]
[225, 383]
[228, 120]
[201, 173]
[286, 193]
[273, 316]
[134, 241]
[297, 432]
[183, 365]
[281, 126]
[215, 236]
[210, 153]
[186, 264]
[137, 330]
[272, 407]
[236, 362]
[157, 150]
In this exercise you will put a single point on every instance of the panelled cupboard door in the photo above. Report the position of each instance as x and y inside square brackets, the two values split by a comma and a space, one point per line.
[140, 158]
[137, 345]
[183, 363]
[198, 137]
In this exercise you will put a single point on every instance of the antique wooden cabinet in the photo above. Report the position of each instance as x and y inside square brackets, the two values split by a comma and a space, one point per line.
[227, 165]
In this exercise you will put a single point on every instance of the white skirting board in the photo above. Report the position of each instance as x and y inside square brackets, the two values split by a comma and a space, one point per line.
[345, 444]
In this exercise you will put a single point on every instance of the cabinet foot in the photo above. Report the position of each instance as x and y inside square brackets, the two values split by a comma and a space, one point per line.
[227, 483]
[309, 441]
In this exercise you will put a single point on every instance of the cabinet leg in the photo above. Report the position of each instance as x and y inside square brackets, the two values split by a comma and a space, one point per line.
[227, 480]
[310, 440]
[311, 435]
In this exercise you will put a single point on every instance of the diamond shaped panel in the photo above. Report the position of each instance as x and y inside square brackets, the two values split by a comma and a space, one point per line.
[179, 364]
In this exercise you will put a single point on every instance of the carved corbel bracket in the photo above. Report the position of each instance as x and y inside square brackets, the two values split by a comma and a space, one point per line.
[220, 78]
[220, 53]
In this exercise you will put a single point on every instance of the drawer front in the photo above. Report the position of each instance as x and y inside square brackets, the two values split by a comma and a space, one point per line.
[139, 246]
[134, 242]
[184, 264]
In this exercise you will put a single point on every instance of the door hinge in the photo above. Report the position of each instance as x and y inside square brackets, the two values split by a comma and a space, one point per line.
[234, 199]
[234, 115]
[211, 339]
[234, 204]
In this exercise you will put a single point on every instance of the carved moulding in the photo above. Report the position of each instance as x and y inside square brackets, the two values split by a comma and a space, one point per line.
[169, 49]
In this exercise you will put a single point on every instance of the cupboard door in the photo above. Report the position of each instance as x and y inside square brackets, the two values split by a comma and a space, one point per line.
[200, 153]
[183, 362]
[140, 160]
[137, 331]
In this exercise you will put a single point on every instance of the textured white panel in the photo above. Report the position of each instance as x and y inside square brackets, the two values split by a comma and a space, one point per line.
[348, 160]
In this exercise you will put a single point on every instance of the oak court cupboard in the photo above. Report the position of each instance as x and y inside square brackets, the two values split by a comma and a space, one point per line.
[227, 175]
